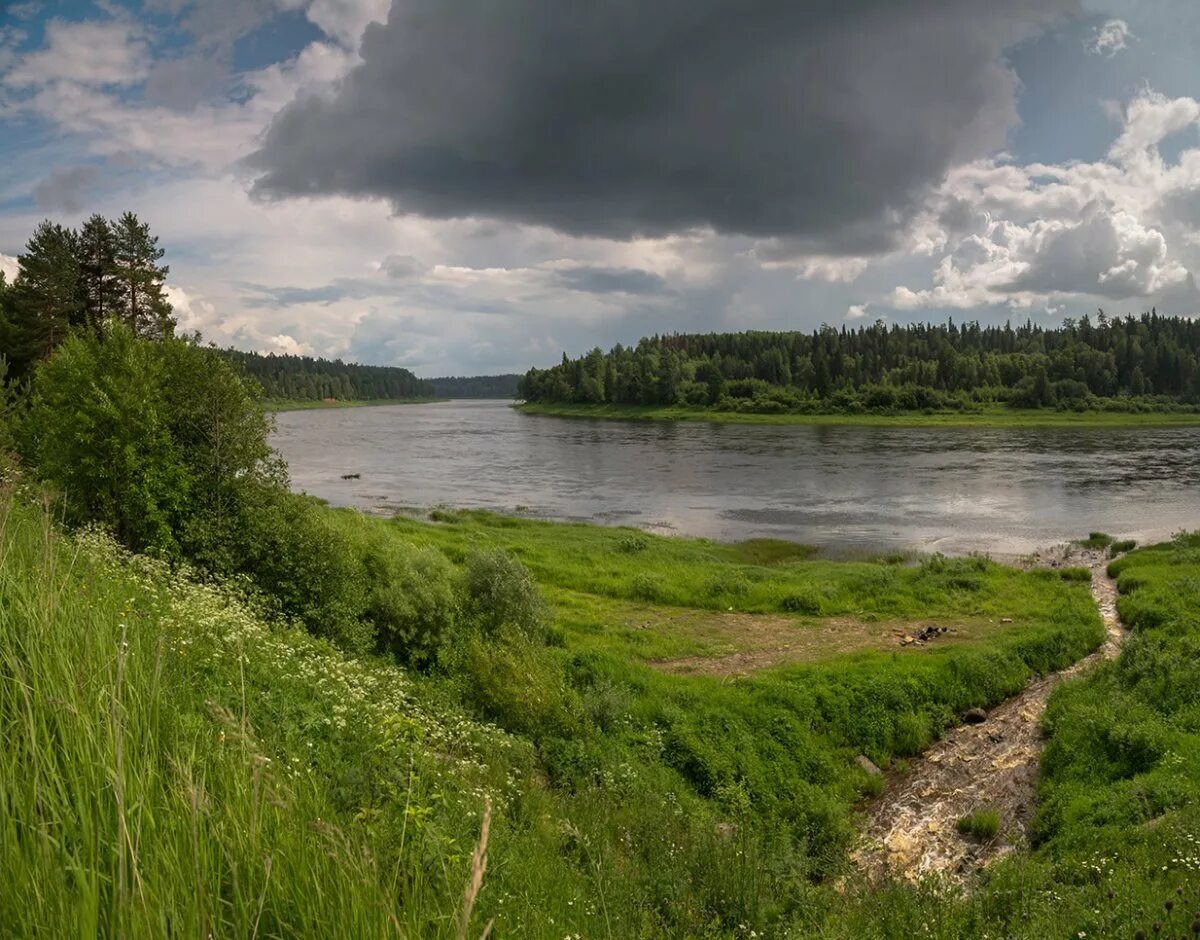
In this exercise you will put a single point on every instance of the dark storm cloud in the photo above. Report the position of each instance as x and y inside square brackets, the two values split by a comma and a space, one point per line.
[813, 121]
[591, 280]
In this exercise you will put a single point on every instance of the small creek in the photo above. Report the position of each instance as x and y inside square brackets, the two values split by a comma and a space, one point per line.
[911, 830]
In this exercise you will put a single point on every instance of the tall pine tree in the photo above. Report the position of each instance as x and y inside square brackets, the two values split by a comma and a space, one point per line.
[143, 303]
[47, 299]
[98, 270]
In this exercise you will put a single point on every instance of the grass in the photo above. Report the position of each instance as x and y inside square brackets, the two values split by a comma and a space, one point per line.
[308, 404]
[1097, 541]
[177, 763]
[987, 416]
[983, 824]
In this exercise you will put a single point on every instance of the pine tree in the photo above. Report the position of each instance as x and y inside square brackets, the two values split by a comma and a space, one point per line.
[143, 302]
[98, 269]
[47, 300]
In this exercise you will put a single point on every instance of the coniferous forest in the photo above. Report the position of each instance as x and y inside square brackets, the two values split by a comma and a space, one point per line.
[1124, 363]
[476, 386]
[305, 378]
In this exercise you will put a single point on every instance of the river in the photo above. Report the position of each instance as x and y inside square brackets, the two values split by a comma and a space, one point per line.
[998, 490]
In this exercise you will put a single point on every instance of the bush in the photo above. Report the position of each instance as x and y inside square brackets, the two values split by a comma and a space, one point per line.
[500, 592]
[411, 599]
[155, 440]
[291, 550]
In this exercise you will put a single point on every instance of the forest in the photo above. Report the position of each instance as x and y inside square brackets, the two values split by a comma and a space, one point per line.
[1120, 363]
[476, 386]
[305, 378]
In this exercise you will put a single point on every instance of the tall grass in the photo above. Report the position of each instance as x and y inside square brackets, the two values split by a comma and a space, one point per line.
[136, 798]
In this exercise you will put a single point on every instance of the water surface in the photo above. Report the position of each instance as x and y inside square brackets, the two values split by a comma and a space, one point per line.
[950, 489]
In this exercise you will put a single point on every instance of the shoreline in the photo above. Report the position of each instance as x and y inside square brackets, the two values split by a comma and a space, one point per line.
[1000, 417]
[277, 405]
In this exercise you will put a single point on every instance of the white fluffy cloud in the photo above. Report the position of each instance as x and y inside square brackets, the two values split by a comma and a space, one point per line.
[1035, 235]
[112, 53]
[8, 267]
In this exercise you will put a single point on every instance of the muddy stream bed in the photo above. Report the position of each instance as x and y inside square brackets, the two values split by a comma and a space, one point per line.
[910, 830]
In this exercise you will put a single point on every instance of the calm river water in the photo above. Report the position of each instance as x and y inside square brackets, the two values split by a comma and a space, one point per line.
[845, 488]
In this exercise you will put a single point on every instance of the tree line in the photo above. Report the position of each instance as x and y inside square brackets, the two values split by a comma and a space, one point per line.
[105, 272]
[476, 386]
[1120, 362]
[305, 378]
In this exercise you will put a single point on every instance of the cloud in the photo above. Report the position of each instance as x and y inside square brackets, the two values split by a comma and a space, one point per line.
[820, 123]
[89, 53]
[599, 280]
[286, 345]
[856, 311]
[9, 267]
[183, 83]
[1109, 38]
[66, 188]
[401, 267]
[1115, 229]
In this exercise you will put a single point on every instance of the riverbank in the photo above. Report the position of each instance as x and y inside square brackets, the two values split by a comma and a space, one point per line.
[996, 416]
[276, 405]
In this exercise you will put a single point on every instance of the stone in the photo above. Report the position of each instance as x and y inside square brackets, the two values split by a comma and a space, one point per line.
[868, 765]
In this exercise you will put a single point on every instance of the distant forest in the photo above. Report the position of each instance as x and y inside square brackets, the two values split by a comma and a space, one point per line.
[476, 386]
[1130, 363]
[303, 378]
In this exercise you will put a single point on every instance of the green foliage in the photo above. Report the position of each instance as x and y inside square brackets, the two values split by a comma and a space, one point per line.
[1096, 541]
[305, 378]
[412, 602]
[983, 824]
[501, 593]
[1147, 363]
[1121, 547]
[98, 429]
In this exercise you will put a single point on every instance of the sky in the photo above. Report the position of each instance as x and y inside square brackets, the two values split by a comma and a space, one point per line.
[476, 187]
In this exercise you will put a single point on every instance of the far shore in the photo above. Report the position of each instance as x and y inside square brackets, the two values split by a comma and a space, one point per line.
[311, 405]
[994, 416]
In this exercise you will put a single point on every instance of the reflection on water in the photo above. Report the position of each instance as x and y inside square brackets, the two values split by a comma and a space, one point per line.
[950, 489]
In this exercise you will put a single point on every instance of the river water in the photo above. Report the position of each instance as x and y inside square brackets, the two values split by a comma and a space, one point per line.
[997, 490]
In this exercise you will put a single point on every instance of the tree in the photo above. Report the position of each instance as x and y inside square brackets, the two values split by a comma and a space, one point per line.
[46, 298]
[97, 254]
[160, 441]
[143, 304]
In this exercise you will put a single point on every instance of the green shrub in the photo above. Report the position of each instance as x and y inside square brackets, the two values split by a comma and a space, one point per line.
[1121, 547]
[801, 602]
[290, 549]
[500, 592]
[632, 544]
[411, 598]
[645, 587]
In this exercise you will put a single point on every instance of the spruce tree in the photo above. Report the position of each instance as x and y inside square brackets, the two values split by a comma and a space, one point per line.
[46, 296]
[143, 304]
[98, 270]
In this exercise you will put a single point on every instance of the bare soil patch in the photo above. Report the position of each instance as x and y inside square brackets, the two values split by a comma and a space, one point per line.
[746, 643]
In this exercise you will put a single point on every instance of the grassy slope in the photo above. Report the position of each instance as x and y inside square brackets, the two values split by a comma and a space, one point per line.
[259, 781]
[997, 416]
[277, 405]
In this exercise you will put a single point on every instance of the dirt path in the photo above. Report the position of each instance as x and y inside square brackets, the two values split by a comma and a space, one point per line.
[911, 829]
